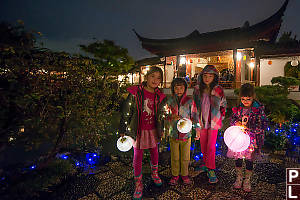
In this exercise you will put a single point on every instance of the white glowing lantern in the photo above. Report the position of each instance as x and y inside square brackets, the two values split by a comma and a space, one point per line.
[294, 63]
[236, 139]
[125, 143]
[238, 56]
[184, 125]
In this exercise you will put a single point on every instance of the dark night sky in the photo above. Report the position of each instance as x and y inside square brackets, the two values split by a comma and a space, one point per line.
[67, 23]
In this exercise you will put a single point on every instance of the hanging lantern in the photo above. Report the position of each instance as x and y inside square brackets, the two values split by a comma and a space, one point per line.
[125, 143]
[184, 125]
[294, 63]
[252, 63]
[236, 139]
[238, 56]
[182, 60]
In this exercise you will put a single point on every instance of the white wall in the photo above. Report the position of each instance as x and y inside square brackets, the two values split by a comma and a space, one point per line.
[267, 72]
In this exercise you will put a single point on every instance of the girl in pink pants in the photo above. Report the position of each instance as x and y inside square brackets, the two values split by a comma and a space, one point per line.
[210, 99]
[141, 119]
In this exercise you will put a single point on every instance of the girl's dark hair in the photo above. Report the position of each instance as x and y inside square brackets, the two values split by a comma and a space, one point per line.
[202, 85]
[178, 81]
[155, 69]
[247, 90]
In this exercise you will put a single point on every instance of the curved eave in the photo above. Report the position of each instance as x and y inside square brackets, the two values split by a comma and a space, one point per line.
[195, 42]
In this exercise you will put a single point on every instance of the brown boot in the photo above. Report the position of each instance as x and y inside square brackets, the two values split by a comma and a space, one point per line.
[247, 181]
[239, 178]
[138, 193]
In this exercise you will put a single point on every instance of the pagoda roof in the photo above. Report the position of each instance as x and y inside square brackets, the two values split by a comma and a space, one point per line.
[242, 37]
[149, 61]
[145, 61]
[274, 51]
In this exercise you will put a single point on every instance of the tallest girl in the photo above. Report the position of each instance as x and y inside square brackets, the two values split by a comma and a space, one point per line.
[210, 99]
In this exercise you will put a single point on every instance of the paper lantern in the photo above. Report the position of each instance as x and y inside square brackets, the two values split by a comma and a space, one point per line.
[236, 139]
[184, 125]
[294, 63]
[125, 143]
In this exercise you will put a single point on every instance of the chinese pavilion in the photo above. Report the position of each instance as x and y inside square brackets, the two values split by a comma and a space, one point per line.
[235, 52]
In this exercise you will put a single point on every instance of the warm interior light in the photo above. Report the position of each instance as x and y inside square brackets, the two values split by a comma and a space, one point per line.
[238, 56]
[252, 63]
[182, 60]
[294, 63]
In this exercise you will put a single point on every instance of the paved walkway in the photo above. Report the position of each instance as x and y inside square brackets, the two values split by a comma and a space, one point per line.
[115, 181]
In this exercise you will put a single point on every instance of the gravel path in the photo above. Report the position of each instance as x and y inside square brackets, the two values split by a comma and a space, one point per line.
[115, 181]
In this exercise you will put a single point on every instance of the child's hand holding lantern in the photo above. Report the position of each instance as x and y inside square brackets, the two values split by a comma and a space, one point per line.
[197, 135]
[245, 120]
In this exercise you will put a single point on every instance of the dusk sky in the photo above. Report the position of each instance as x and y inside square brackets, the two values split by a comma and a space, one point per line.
[67, 23]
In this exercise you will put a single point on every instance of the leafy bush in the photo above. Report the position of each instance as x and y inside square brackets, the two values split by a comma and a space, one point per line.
[55, 98]
[280, 110]
[30, 184]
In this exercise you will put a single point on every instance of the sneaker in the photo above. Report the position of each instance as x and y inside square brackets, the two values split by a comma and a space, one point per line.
[201, 169]
[174, 180]
[212, 178]
[186, 180]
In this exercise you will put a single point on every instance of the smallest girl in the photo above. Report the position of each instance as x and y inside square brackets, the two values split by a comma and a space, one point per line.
[250, 113]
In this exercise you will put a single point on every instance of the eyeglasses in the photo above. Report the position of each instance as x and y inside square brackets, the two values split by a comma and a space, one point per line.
[246, 99]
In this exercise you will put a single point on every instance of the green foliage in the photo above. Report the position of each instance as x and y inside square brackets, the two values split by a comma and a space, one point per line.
[285, 82]
[110, 58]
[63, 101]
[275, 141]
[40, 180]
[291, 71]
[286, 40]
[15, 37]
[275, 99]
[59, 99]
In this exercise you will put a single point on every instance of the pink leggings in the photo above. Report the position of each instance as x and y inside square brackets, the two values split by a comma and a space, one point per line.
[138, 159]
[208, 138]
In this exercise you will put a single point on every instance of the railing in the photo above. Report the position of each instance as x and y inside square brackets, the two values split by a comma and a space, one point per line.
[224, 84]
[227, 84]
[234, 85]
